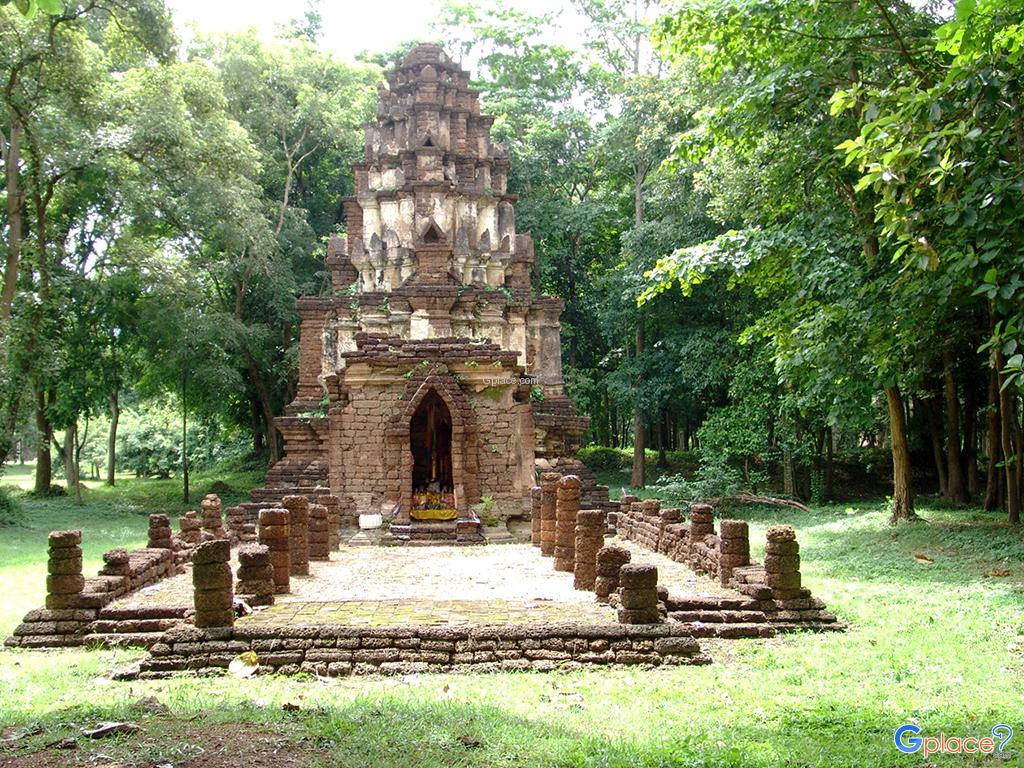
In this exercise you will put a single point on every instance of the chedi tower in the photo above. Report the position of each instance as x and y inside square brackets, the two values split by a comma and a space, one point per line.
[432, 376]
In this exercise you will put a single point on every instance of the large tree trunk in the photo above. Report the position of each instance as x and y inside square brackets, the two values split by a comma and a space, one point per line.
[957, 488]
[993, 447]
[11, 150]
[44, 462]
[115, 415]
[639, 433]
[788, 473]
[902, 483]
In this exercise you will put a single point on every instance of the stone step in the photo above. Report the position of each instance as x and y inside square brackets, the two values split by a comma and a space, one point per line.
[142, 613]
[124, 640]
[711, 604]
[731, 631]
[811, 626]
[719, 617]
[130, 626]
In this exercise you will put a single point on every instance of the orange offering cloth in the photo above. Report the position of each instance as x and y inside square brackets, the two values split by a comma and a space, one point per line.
[434, 514]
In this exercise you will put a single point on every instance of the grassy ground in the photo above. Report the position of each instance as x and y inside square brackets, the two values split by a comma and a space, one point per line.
[936, 615]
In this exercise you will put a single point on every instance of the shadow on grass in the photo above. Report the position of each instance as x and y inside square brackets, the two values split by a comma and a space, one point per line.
[392, 730]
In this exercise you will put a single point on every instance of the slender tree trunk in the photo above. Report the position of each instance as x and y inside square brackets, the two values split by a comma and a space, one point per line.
[903, 488]
[115, 415]
[184, 436]
[15, 202]
[957, 487]
[828, 489]
[265, 406]
[993, 446]
[1009, 435]
[71, 470]
[933, 407]
[969, 457]
[605, 433]
[639, 435]
[258, 434]
[662, 439]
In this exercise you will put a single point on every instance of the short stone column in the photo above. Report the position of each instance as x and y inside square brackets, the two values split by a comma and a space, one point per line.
[535, 495]
[567, 506]
[190, 528]
[298, 522]
[609, 562]
[64, 580]
[255, 575]
[213, 523]
[319, 533]
[236, 525]
[702, 521]
[782, 562]
[333, 504]
[212, 583]
[160, 532]
[116, 562]
[733, 548]
[638, 594]
[275, 534]
[589, 539]
[548, 502]
[622, 520]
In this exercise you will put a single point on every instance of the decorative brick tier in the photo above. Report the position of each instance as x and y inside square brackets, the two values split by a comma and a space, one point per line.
[353, 650]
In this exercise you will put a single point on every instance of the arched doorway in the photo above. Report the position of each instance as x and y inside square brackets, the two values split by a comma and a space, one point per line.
[430, 441]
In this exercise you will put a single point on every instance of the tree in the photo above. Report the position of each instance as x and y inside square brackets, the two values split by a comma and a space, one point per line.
[809, 240]
[941, 149]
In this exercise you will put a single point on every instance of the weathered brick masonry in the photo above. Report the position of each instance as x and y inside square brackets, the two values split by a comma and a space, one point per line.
[348, 650]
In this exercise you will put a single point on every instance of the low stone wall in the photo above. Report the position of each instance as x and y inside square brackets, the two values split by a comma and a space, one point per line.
[69, 614]
[771, 592]
[76, 606]
[353, 650]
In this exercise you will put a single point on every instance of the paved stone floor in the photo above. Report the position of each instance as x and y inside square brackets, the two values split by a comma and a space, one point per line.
[385, 586]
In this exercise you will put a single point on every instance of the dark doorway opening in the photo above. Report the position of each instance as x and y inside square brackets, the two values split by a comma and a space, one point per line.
[430, 439]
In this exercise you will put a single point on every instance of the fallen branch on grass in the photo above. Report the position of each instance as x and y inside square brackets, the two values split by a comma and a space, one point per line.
[750, 498]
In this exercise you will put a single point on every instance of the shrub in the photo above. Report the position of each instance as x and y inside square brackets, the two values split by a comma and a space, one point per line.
[601, 458]
[10, 510]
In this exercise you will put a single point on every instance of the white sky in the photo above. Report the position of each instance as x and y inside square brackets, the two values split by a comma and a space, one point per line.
[349, 27]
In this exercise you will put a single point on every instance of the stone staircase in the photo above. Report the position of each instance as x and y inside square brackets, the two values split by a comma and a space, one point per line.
[137, 627]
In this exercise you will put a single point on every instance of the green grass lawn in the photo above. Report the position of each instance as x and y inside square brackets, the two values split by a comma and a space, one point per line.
[939, 643]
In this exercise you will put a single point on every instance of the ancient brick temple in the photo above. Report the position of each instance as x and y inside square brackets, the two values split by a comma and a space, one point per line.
[430, 380]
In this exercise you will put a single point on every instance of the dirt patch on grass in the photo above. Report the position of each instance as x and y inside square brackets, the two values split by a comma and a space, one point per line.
[169, 743]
